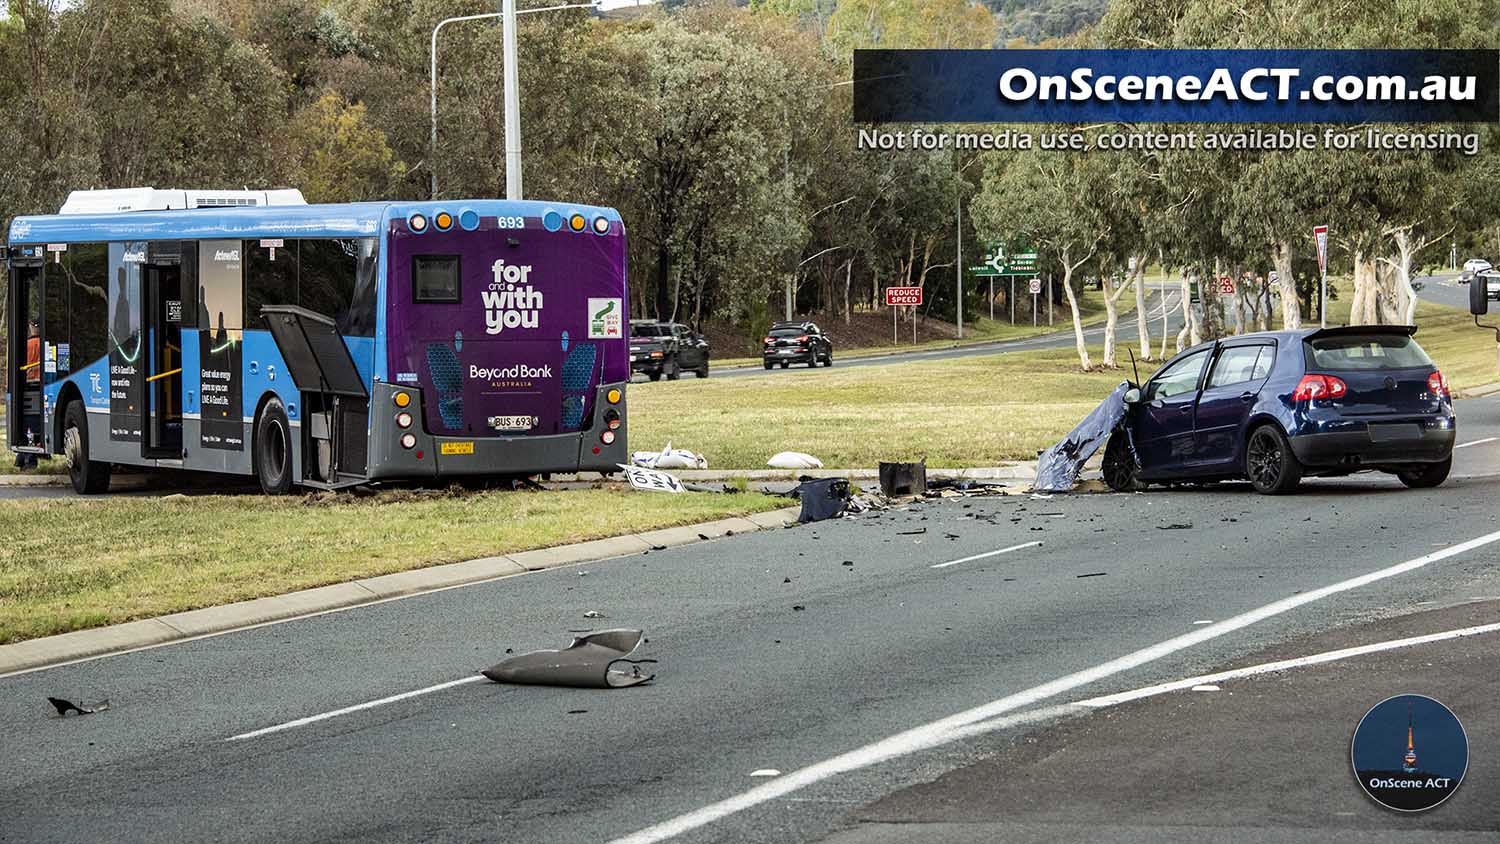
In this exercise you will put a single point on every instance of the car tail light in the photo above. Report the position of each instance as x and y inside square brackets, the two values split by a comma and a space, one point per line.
[1313, 387]
[802, 339]
[1438, 385]
[769, 341]
[656, 354]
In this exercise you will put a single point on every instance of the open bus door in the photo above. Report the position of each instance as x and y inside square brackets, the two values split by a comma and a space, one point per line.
[162, 310]
[23, 416]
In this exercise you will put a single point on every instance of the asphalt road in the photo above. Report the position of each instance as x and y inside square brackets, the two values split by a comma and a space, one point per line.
[1053, 340]
[774, 654]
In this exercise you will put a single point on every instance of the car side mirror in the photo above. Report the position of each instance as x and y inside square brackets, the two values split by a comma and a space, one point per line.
[1133, 396]
[1479, 294]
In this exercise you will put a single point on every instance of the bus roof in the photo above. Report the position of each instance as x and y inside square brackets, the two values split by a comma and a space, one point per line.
[361, 219]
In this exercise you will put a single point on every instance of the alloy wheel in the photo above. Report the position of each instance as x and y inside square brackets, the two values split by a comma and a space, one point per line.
[1265, 458]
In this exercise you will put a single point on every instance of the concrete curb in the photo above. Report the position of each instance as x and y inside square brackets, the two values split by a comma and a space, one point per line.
[134, 635]
[1012, 472]
[1481, 391]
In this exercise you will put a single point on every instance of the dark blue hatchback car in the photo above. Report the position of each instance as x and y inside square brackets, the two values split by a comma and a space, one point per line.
[1277, 405]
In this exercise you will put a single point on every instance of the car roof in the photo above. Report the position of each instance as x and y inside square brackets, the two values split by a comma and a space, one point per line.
[1286, 337]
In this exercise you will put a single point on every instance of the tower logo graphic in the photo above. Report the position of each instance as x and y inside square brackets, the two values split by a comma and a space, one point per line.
[1385, 758]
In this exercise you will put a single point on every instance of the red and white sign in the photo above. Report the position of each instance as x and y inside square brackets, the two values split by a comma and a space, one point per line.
[1226, 286]
[1320, 234]
[910, 296]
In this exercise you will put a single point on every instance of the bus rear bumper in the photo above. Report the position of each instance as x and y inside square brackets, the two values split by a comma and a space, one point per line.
[457, 457]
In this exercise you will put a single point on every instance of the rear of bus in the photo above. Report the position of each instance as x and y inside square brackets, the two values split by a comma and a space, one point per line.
[506, 341]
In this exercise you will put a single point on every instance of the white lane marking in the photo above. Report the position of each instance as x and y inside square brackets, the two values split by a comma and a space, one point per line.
[969, 721]
[982, 556]
[765, 772]
[312, 719]
[1206, 687]
[1285, 664]
[1477, 442]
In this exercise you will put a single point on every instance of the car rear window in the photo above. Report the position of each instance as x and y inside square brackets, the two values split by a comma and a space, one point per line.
[649, 331]
[788, 332]
[1365, 352]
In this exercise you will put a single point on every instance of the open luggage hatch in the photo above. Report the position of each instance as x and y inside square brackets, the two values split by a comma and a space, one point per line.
[336, 406]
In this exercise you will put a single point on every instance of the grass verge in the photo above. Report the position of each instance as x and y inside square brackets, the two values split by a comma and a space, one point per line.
[976, 411]
[70, 564]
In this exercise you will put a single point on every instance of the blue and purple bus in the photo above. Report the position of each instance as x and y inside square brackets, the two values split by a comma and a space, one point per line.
[246, 332]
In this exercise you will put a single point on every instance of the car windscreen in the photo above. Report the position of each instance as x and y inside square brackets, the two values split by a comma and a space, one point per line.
[788, 332]
[1365, 352]
[650, 331]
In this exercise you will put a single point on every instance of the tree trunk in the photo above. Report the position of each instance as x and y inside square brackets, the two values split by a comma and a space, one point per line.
[848, 280]
[1140, 308]
[1083, 350]
[1189, 330]
[1112, 316]
[1408, 248]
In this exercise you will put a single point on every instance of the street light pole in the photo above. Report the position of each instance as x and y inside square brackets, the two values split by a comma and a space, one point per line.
[511, 94]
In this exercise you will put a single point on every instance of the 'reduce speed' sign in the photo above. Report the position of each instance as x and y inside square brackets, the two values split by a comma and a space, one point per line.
[903, 296]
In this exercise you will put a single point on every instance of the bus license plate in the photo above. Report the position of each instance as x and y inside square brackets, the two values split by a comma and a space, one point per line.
[510, 423]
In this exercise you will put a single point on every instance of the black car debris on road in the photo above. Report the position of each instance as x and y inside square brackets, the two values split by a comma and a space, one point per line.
[796, 342]
[667, 348]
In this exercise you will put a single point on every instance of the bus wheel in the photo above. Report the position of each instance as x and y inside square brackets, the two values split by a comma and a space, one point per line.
[90, 477]
[273, 450]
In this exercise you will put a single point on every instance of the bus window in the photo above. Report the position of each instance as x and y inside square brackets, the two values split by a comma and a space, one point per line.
[270, 278]
[434, 279]
[87, 267]
[337, 279]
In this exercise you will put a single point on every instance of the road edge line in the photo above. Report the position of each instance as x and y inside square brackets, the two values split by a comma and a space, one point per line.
[78, 646]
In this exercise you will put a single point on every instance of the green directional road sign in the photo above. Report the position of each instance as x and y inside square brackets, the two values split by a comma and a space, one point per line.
[998, 263]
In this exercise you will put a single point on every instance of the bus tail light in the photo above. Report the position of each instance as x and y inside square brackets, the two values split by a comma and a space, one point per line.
[402, 399]
[403, 419]
[408, 440]
[612, 418]
[608, 437]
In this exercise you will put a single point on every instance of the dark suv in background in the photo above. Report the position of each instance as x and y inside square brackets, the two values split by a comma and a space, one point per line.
[667, 348]
[796, 342]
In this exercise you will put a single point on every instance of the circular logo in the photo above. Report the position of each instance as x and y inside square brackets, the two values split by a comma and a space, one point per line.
[1409, 753]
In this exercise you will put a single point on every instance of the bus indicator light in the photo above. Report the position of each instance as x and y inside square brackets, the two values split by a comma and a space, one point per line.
[613, 396]
[601, 225]
[418, 223]
[408, 440]
[402, 399]
[577, 222]
[444, 221]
